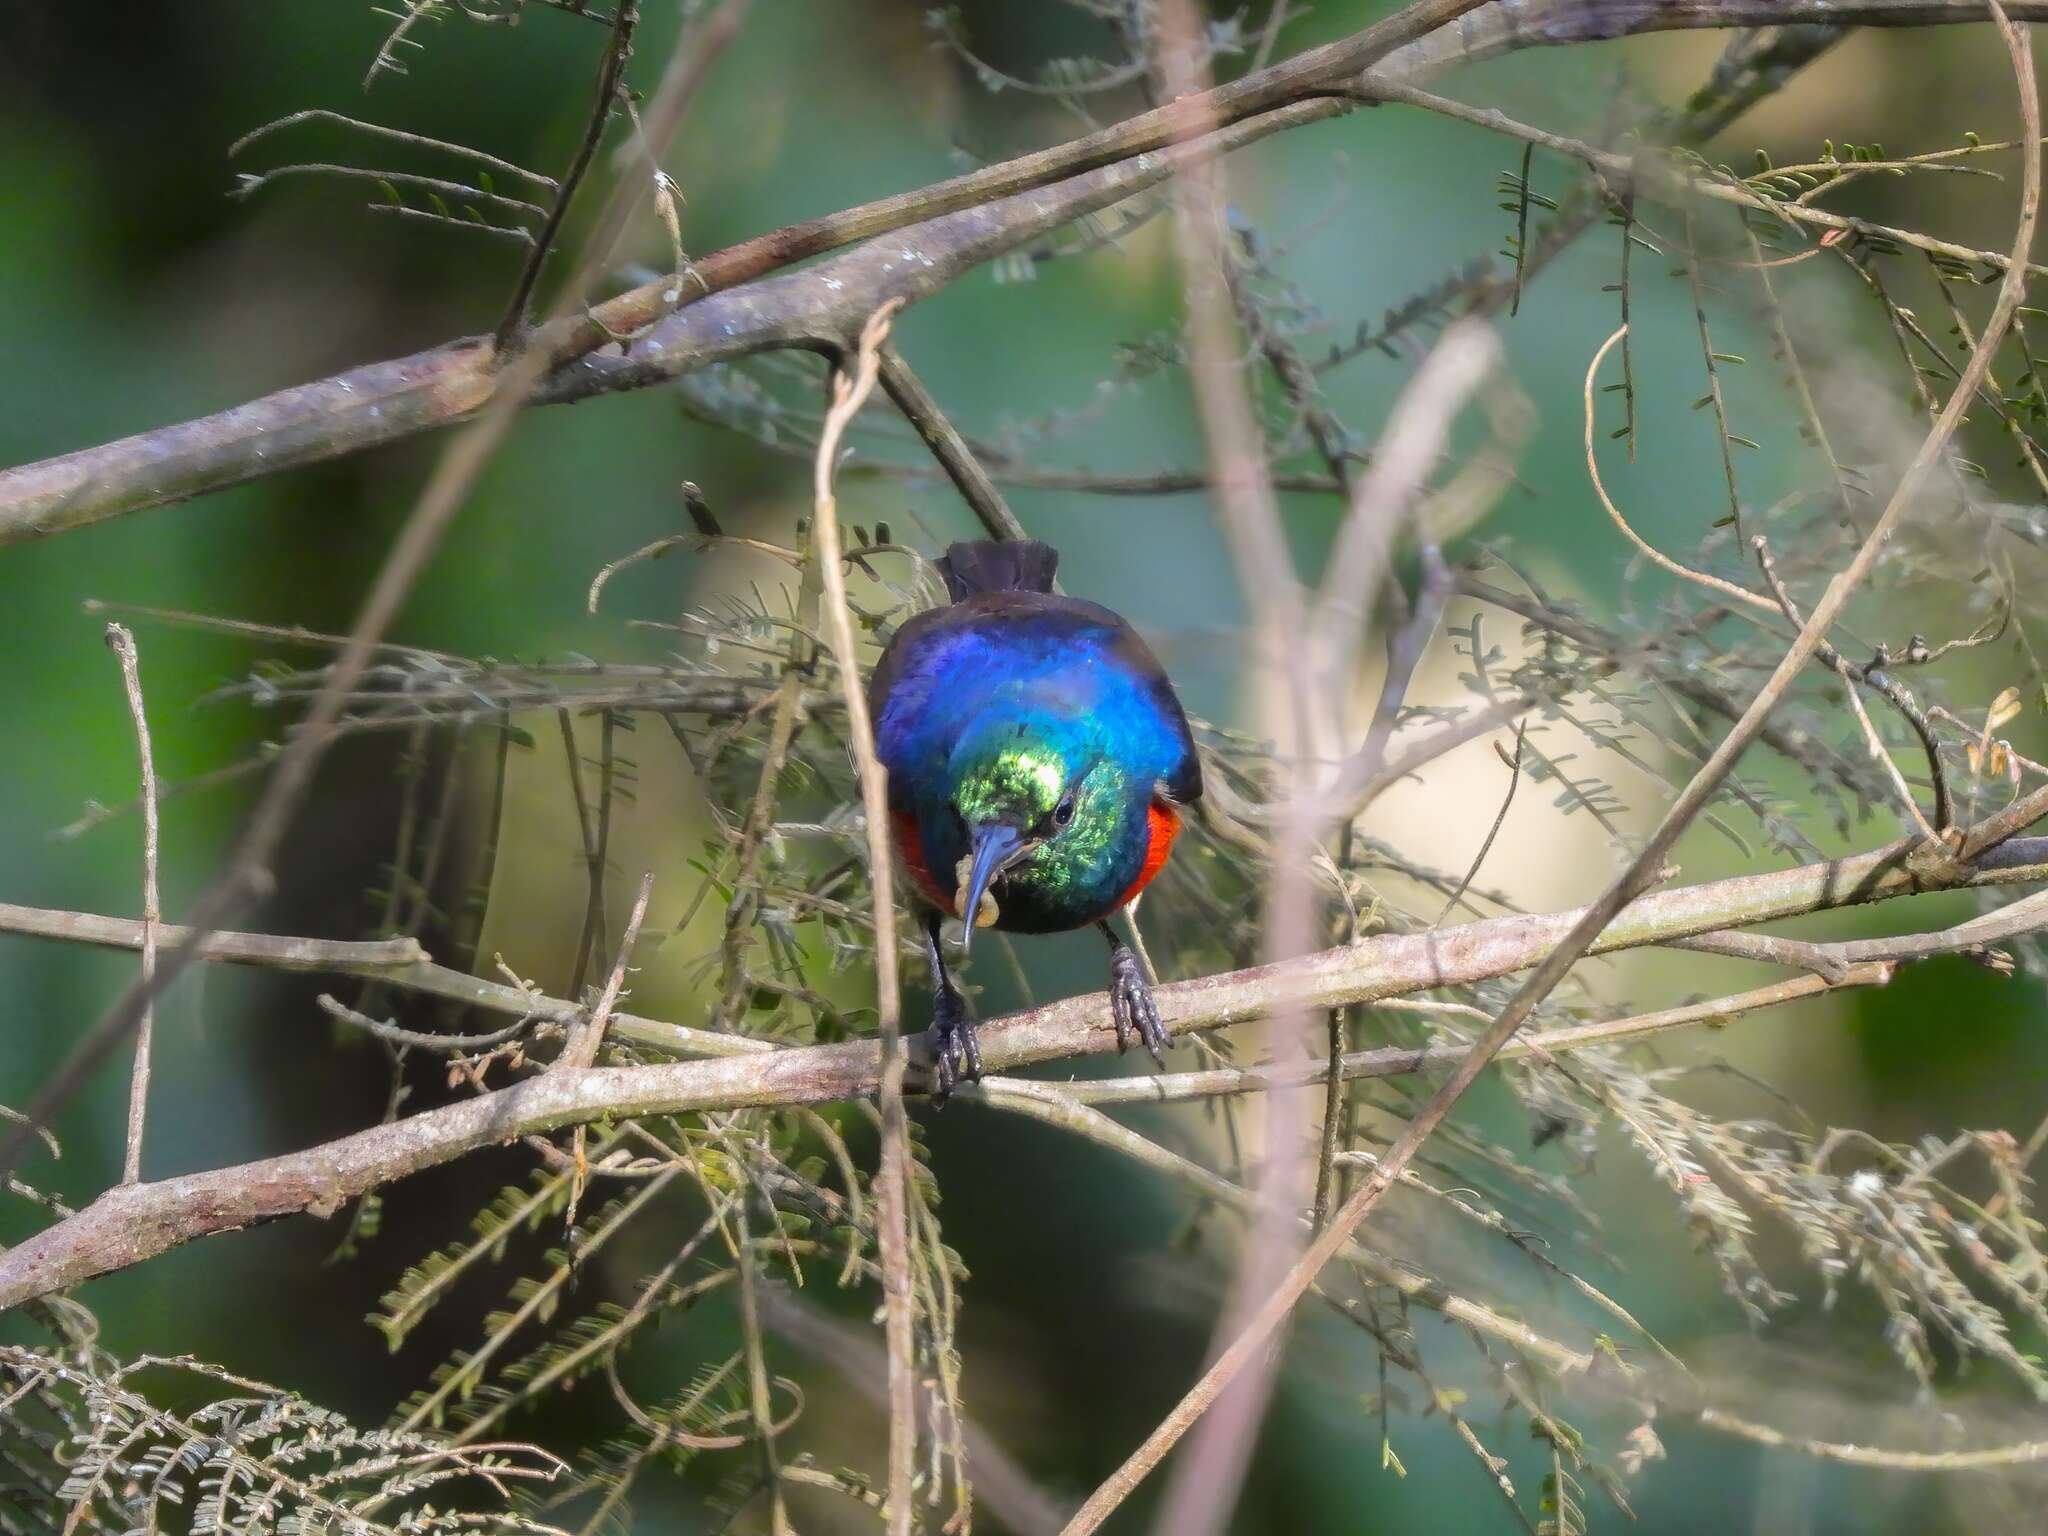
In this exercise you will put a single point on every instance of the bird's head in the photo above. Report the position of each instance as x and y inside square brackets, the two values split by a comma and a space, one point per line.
[1032, 797]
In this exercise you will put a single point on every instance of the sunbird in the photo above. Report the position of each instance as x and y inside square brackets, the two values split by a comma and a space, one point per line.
[1039, 763]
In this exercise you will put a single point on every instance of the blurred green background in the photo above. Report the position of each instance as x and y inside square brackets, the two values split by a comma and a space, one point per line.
[135, 292]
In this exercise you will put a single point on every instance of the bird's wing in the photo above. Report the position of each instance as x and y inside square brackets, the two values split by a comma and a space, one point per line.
[1182, 782]
[1054, 618]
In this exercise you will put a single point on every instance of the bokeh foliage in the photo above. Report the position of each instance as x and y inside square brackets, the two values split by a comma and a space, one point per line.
[137, 293]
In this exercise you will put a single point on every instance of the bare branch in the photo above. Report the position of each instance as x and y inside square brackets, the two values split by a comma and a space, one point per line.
[849, 394]
[131, 1224]
[611, 73]
[972, 481]
[1401, 1061]
[396, 135]
[399, 963]
[1297, 713]
[122, 643]
[385, 402]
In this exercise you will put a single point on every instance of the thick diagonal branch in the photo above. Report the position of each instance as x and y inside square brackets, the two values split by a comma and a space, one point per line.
[1006, 205]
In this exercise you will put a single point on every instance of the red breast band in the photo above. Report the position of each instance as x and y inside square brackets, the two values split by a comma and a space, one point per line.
[1163, 826]
[910, 848]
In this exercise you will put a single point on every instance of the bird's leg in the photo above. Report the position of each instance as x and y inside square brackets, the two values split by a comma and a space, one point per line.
[956, 1055]
[1130, 999]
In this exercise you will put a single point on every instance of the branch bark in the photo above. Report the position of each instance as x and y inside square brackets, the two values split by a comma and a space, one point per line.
[399, 963]
[132, 1223]
[959, 223]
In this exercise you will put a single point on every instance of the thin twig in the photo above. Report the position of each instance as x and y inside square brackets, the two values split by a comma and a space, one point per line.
[1944, 808]
[1499, 820]
[849, 393]
[397, 963]
[1641, 170]
[1404, 1061]
[1713, 359]
[2023, 1454]
[611, 71]
[385, 402]
[249, 185]
[392, 1034]
[1299, 713]
[588, 819]
[1628, 367]
[122, 643]
[588, 1035]
[397, 135]
[976, 488]
[1654, 555]
[1335, 1103]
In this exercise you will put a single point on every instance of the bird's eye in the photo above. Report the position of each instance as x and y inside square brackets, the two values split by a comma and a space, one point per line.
[1064, 811]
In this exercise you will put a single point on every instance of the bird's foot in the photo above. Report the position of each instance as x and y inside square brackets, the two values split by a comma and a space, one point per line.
[1131, 1005]
[956, 1053]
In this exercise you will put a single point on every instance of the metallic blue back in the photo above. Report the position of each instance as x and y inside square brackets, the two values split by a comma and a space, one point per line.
[1063, 675]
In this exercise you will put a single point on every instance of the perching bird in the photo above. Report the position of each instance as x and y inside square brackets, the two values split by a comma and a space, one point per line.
[1038, 763]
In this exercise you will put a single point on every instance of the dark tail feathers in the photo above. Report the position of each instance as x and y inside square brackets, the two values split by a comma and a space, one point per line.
[998, 565]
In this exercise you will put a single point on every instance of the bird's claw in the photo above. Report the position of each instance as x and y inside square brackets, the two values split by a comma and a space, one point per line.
[1131, 1006]
[956, 1052]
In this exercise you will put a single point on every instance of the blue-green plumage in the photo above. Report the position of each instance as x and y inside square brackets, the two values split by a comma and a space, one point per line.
[1037, 758]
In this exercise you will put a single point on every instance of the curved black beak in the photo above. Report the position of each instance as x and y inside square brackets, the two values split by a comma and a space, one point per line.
[997, 845]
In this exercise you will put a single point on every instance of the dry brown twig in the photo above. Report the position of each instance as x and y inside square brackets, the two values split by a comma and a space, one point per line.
[1300, 713]
[121, 641]
[399, 963]
[1724, 588]
[849, 394]
[586, 1035]
[1318, 681]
